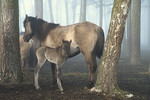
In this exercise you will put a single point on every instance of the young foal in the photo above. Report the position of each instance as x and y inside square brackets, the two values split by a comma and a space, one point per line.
[54, 55]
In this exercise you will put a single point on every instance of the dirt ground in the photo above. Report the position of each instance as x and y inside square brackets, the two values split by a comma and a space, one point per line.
[134, 79]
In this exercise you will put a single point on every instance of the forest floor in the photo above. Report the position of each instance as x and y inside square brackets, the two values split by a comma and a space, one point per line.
[134, 79]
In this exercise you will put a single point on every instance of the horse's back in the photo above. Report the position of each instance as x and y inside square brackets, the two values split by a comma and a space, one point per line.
[85, 37]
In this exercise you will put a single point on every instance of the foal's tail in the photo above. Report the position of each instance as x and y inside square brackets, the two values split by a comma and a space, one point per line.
[100, 42]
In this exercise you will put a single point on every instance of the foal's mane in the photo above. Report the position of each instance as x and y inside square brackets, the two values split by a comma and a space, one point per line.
[40, 27]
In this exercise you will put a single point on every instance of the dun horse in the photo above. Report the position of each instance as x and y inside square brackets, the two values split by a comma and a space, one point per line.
[56, 56]
[25, 48]
[86, 37]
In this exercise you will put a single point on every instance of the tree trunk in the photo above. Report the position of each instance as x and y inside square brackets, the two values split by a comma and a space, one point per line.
[136, 12]
[129, 32]
[83, 11]
[101, 13]
[10, 65]
[39, 8]
[51, 11]
[106, 78]
[124, 45]
[148, 44]
[149, 67]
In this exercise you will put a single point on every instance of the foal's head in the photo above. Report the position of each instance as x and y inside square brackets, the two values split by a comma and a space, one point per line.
[66, 47]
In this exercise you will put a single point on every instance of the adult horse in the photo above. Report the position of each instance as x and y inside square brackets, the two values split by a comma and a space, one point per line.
[86, 37]
[25, 49]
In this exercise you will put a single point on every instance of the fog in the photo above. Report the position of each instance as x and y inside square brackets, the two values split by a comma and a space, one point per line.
[92, 14]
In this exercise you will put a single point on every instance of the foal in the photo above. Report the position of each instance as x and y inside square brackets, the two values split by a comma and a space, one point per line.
[54, 55]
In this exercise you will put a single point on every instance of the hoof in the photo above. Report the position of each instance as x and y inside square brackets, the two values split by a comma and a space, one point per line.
[86, 88]
[37, 88]
[62, 92]
[91, 85]
[54, 84]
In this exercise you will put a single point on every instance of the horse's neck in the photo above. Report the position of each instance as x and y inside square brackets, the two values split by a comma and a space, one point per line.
[40, 32]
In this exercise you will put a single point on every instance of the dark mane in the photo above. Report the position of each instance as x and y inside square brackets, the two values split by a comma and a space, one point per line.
[40, 27]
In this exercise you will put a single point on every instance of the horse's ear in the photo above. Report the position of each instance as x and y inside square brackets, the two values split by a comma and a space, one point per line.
[27, 17]
[70, 41]
[36, 16]
[63, 41]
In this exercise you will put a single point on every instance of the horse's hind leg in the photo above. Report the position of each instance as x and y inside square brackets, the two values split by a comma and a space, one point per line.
[59, 78]
[92, 66]
[53, 68]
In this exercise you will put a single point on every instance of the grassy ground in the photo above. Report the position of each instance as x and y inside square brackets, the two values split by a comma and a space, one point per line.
[134, 79]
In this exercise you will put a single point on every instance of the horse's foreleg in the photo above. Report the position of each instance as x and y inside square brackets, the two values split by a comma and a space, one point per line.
[36, 72]
[23, 62]
[53, 67]
[92, 66]
[59, 78]
[36, 76]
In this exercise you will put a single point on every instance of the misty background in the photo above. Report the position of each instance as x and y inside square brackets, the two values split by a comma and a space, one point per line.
[66, 12]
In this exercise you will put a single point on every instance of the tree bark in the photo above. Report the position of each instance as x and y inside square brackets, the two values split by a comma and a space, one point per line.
[136, 12]
[106, 78]
[83, 11]
[10, 64]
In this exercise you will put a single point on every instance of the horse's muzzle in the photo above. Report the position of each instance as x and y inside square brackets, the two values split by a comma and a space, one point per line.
[26, 38]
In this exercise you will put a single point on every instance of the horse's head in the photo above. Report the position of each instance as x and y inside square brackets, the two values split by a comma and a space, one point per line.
[28, 25]
[66, 47]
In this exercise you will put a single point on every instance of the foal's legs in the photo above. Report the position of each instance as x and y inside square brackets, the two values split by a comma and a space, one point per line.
[59, 78]
[92, 66]
[41, 61]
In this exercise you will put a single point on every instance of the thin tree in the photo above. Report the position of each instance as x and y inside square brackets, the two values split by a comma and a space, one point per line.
[38, 8]
[67, 12]
[10, 66]
[101, 13]
[136, 12]
[51, 11]
[83, 11]
[129, 32]
[148, 25]
[106, 78]
[74, 7]
[148, 31]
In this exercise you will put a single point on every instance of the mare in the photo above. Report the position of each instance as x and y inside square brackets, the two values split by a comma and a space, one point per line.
[57, 56]
[87, 38]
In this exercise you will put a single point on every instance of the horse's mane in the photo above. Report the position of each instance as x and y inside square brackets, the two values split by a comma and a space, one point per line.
[40, 27]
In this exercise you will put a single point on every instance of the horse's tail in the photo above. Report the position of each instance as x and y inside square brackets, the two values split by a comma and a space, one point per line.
[100, 42]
